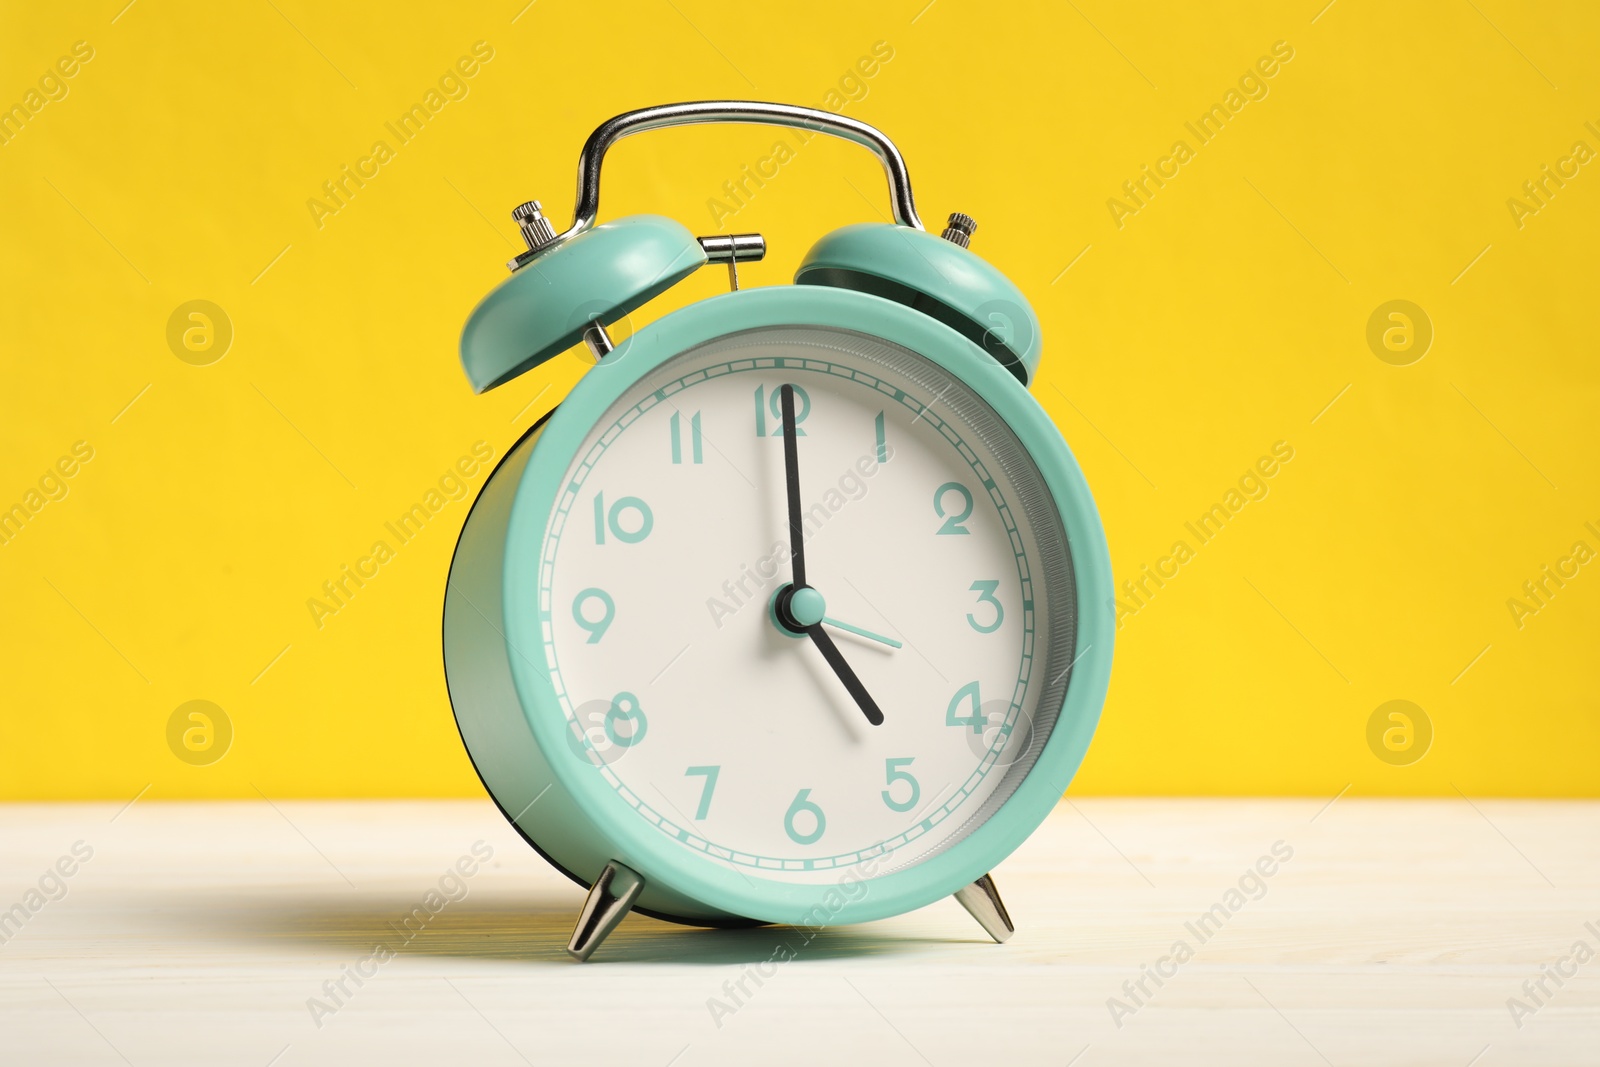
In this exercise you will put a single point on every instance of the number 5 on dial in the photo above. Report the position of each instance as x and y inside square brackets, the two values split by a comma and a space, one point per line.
[893, 773]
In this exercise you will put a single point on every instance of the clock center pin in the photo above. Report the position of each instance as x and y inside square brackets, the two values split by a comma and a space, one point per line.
[796, 610]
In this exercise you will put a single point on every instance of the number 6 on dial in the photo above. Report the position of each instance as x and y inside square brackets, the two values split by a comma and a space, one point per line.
[803, 804]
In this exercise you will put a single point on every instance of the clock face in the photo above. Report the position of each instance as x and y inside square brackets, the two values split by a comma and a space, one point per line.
[945, 583]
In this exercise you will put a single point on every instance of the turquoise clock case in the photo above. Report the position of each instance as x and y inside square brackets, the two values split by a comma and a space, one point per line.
[508, 711]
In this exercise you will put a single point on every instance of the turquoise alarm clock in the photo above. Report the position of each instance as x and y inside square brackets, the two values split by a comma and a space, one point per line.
[798, 608]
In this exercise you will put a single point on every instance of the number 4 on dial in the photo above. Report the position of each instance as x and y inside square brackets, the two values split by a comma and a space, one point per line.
[977, 720]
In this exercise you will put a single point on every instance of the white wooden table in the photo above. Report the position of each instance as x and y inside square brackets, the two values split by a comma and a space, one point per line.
[1395, 934]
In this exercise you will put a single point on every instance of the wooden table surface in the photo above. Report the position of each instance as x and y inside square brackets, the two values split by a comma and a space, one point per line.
[1395, 932]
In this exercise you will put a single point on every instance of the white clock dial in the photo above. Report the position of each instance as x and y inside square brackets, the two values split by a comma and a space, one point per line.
[932, 540]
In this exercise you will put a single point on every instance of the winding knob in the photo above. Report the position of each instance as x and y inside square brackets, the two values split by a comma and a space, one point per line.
[536, 229]
[959, 229]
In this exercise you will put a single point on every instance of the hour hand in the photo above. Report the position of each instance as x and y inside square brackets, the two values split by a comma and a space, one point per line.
[831, 653]
[801, 610]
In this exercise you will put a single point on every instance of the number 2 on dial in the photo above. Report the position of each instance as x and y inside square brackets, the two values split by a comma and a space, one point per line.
[953, 520]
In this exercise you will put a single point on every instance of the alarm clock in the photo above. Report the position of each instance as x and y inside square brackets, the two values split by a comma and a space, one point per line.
[797, 609]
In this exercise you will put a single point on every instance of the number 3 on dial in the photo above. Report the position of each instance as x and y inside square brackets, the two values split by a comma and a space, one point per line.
[986, 591]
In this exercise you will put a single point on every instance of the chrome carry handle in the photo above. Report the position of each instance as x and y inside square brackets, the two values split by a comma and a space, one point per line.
[536, 229]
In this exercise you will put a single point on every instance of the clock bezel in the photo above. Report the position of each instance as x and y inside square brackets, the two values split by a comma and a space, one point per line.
[641, 846]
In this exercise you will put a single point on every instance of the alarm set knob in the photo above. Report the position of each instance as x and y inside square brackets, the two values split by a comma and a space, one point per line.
[734, 249]
[959, 230]
[536, 229]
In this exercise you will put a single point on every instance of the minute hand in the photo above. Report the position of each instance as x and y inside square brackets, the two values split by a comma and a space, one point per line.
[791, 478]
[819, 637]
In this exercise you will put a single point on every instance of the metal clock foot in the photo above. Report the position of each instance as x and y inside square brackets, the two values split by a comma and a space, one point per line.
[982, 901]
[610, 898]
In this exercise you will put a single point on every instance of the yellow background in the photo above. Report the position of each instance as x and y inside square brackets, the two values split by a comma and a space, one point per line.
[1224, 316]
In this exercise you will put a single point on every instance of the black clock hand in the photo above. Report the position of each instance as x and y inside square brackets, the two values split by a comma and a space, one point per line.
[819, 637]
[830, 652]
[791, 477]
